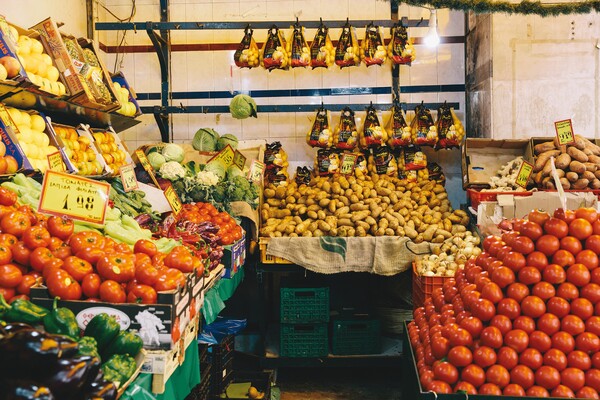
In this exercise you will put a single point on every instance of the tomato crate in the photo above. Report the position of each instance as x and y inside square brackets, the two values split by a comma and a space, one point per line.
[304, 304]
[477, 196]
[423, 286]
[355, 335]
[303, 340]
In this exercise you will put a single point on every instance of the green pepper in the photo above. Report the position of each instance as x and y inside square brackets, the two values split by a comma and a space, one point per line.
[125, 343]
[104, 329]
[4, 306]
[61, 321]
[22, 310]
[88, 347]
[119, 368]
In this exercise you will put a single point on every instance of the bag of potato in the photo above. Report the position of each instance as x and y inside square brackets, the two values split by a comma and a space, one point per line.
[423, 130]
[372, 134]
[273, 54]
[414, 158]
[361, 163]
[303, 176]
[401, 49]
[346, 135]
[436, 173]
[373, 51]
[347, 53]
[320, 134]
[327, 162]
[276, 162]
[297, 48]
[410, 176]
[277, 176]
[383, 162]
[449, 128]
[246, 56]
[397, 128]
[322, 52]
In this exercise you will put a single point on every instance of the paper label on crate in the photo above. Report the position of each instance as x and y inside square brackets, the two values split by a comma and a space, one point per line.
[524, 174]
[55, 162]
[74, 196]
[239, 160]
[564, 132]
[128, 178]
[146, 165]
[83, 317]
[173, 200]
[225, 157]
[348, 163]
[257, 170]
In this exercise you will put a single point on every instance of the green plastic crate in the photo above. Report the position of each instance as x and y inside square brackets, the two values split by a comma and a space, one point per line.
[303, 305]
[355, 336]
[303, 340]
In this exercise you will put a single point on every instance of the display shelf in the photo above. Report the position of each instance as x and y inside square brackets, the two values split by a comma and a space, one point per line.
[213, 277]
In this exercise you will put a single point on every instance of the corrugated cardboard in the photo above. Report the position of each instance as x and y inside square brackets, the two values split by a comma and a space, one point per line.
[549, 202]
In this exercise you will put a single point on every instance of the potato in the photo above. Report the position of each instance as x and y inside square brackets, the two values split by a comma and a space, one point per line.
[595, 184]
[577, 166]
[589, 175]
[594, 159]
[562, 161]
[566, 185]
[572, 176]
[589, 166]
[269, 193]
[543, 158]
[580, 184]
[577, 154]
[543, 147]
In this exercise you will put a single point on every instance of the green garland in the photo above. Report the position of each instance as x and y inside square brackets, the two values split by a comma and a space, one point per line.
[524, 7]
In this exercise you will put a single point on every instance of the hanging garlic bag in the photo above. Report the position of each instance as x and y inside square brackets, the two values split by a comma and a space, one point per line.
[423, 130]
[320, 134]
[273, 54]
[246, 56]
[397, 129]
[297, 48]
[449, 128]
[373, 51]
[346, 135]
[347, 53]
[401, 49]
[322, 52]
[372, 134]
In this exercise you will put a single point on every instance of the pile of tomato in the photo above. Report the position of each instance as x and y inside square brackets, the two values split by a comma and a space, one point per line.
[521, 319]
[85, 265]
[229, 230]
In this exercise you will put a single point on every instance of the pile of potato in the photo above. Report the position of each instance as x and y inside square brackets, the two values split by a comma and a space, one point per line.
[577, 164]
[361, 206]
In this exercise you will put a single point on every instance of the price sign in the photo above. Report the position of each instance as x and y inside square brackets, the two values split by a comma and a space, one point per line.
[173, 200]
[128, 178]
[77, 197]
[239, 160]
[55, 162]
[224, 157]
[524, 174]
[257, 170]
[146, 165]
[348, 163]
[564, 132]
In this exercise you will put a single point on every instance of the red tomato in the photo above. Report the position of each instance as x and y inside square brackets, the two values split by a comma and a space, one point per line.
[579, 359]
[460, 356]
[509, 307]
[538, 259]
[523, 245]
[473, 374]
[36, 236]
[593, 242]
[558, 306]
[543, 290]
[532, 358]
[61, 284]
[563, 341]
[583, 308]
[533, 306]
[517, 291]
[567, 291]
[588, 258]
[563, 258]
[440, 387]
[498, 375]
[562, 391]
[112, 292]
[522, 376]
[20, 253]
[10, 276]
[554, 274]
[596, 275]
[61, 227]
[547, 377]
[460, 337]
[503, 323]
[142, 294]
[588, 342]
[503, 276]
[465, 387]
[91, 285]
[537, 391]
[532, 230]
[119, 267]
[145, 246]
[512, 389]
[555, 358]
[574, 378]
[484, 356]
[492, 292]
[593, 325]
[508, 357]
[578, 274]
[580, 228]
[445, 372]
[483, 309]
[440, 348]
[587, 392]
[540, 341]
[473, 325]
[539, 217]
[547, 244]
[587, 213]
[491, 337]
[556, 227]
[488, 240]
[571, 244]
[82, 240]
[517, 339]
[78, 268]
[15, 223]
[566, 215]
[25, 285]
[548, 323]
[572, 324]
[529, 275]
[169, 279]
[490, 389]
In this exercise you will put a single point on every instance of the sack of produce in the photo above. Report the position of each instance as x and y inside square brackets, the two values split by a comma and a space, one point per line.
[347, 53]
[397, 128]
[436, 173]
[246, 56]
[424, 131]
[414, 158]
[383, 162]
[327, 162]
[322, 52]
[273, 54]
[346, 136]
[449, 128]
[276, 162]
[303, 176]
[373, 134]
[401, 49]
[297, 48]
[373, 51]
[320, 134]
[361, 164]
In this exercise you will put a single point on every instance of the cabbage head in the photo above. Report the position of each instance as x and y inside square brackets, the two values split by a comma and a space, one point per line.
[233, 171]
[156, 160]
[242, 106]
[173, 152]
[205, 139]
[216, 168]
[227, 139]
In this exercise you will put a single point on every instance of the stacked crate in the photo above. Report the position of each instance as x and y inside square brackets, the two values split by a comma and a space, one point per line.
[222, 365]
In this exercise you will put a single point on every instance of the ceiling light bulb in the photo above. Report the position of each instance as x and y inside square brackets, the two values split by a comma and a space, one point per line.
[432, 39]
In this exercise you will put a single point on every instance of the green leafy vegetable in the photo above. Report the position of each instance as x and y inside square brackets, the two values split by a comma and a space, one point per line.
[242, 106]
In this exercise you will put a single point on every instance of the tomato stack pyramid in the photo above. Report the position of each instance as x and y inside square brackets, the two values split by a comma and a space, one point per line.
[521, 319]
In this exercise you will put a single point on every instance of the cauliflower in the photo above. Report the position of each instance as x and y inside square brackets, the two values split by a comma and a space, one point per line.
[207, 178]
[172, 171]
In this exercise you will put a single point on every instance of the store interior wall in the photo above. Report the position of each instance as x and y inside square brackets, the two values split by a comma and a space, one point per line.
[26, 13]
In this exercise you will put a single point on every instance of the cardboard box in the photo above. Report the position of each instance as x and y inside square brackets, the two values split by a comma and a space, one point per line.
[120, 79]
[7, 135]
[549, 202]
[481, 158]
[80, 130]
[118, 143]
[234, 256]
[89, 45]
[8, 47]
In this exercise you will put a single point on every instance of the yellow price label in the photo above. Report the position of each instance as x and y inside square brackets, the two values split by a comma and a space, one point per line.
[74, 196]
[257, 170]
[141, 156]
[128, 178]
[239, 160]
[564, 132]
[224, 157]
[348, 163]
[524, 174]
[173, 200]
[55, 162]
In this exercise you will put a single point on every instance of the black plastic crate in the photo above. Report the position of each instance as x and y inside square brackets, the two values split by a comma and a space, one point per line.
[303, 340]
[261, 380]
[221, 377]
[303, 305]
[205, 371]
[201, 391]
[355, 335]
[222, 353]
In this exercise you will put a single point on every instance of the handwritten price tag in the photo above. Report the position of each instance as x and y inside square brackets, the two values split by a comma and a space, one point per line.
[225, 157]
[564, 132]
[128, 178]
[524, 174]
[257, 170]
[239, 160]
[77, 197]
[348, 163]
[146, 165]
[173, 200]
[55, 162]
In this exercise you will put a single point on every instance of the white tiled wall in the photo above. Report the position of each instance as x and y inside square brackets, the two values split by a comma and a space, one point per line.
[26, 13]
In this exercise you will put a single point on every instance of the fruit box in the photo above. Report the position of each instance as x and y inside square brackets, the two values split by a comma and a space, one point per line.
[482, 158]
[7, 133]
[8, 48]
[132, 97]
[101, 140]
[234, 256]
[159, 325]
[89, 45]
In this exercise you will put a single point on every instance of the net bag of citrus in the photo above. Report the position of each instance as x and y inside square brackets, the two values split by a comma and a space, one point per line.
[423, 130]
[297, 48]
[401, 49]
[273, 54]
[347, 53]
[372, 134]
[346, 135]
[449, 128]
[373, 51]
[246, 55]
[320, 134]
[322, 52]
[397, 129]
